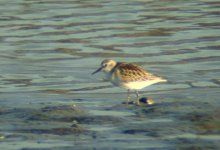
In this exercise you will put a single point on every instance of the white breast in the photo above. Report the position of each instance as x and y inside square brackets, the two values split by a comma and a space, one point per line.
[139, 84]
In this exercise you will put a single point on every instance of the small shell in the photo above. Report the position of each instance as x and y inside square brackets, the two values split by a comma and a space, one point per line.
[146, 100]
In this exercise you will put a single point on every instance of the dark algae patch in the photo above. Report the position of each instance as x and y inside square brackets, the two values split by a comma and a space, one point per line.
[49, 120]
[205, 122]
[57, 131]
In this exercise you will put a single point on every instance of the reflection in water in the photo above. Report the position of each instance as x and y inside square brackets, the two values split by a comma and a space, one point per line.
[50, 48]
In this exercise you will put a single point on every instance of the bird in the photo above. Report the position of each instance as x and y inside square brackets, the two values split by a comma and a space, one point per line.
[128, 76]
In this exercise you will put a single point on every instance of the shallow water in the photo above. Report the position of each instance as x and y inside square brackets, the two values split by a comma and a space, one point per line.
[49, 100]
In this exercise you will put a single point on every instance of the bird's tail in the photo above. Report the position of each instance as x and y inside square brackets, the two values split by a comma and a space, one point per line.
[162, 80]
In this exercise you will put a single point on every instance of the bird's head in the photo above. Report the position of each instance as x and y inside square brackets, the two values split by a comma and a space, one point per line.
[106, 66]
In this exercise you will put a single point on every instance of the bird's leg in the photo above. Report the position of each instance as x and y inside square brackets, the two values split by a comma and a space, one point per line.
[137, 97]
[128, 98]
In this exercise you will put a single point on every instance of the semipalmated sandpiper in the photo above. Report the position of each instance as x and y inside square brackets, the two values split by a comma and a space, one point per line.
[128, 75]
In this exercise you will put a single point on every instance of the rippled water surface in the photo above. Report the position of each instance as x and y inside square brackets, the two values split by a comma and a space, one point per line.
[49, 100]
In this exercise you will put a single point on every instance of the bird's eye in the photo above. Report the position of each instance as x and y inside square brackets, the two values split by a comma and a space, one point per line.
[104, 65]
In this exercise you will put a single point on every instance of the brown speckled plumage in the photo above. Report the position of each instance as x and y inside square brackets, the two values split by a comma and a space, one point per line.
[128, 72]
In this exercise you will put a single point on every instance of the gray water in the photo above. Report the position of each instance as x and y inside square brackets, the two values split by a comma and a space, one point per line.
[49, 100]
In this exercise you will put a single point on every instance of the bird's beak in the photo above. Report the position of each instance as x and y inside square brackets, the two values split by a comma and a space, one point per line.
[99, 69]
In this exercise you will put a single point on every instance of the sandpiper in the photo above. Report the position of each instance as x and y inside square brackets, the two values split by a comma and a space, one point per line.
[128, 75]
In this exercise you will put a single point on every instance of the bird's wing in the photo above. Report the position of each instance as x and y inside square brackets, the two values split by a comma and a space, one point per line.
[130, 72]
